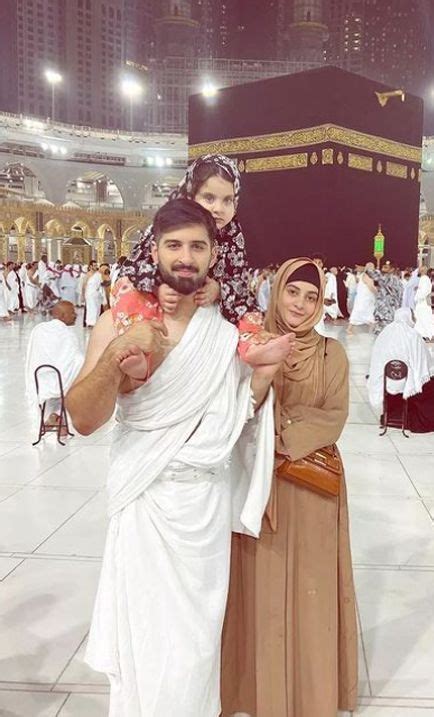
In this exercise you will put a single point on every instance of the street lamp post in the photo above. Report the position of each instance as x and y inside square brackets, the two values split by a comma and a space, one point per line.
[53, 78]
[132, 90]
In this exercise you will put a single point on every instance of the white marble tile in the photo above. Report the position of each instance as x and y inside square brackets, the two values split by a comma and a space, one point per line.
[359, 380]
[32, 515]
[83, 534]
[5, 446]
[7, 565]
[429, 504]
[361, 413]
[85, 706]
[392, 711]
[25, 463]
[376, 475]
[415, 445]
[7, 490]
[363, 687]
[30, 704]
[355, 395]
[390, 530]
[421, 471]
[398, 631]
[78, 672]
[365, 440]
[86, 467]
[26, 434]
[46, 610]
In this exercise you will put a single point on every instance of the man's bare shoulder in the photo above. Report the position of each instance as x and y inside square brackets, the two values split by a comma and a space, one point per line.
[102, 334]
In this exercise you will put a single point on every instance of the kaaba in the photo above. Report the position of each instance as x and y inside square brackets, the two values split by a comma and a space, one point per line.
[326, 156]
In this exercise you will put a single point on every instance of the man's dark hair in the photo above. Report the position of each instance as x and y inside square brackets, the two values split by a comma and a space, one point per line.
[121, 259]
[179, 213]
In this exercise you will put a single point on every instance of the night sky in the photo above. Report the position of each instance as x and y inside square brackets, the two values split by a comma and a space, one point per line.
[258, 38]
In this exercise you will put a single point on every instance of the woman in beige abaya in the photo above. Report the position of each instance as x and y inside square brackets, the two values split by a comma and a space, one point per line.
[290, 636]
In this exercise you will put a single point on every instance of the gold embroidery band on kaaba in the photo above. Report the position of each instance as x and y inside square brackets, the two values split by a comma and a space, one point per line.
[284, 161]
[306, 137]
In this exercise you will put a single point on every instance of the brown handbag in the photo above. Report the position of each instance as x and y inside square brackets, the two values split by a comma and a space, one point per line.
[321, 471]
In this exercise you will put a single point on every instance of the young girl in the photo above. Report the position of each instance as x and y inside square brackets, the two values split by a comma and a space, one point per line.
[214, 182]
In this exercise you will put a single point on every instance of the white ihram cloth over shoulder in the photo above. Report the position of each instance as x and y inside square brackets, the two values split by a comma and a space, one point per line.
[175, 493]
[399, 341]
[4, 313]
[364, 305]
[331, 292]
[68, 285]
[423, 311]
[32, 291]
[54, 343]
[94, 298]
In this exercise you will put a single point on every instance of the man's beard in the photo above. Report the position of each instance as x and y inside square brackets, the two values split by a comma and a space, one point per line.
[185, 285]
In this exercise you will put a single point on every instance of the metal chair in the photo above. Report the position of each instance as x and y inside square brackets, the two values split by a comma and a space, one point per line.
[63, 423]
[395, 371]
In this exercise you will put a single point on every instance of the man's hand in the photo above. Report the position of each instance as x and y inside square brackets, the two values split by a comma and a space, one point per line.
[208, 294]
[149, 336]
[168, 299]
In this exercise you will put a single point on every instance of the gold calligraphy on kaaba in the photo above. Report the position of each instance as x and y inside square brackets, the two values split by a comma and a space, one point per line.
[393, 169]
[271, 164]
[307, 137]
[327, 155]
[360, 161]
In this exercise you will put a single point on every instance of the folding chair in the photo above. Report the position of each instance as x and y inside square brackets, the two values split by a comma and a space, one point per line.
[395, 371]
[63, 423]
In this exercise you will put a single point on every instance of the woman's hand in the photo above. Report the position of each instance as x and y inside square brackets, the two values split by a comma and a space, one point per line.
[168, 298]
[275, 350]
[208, 294]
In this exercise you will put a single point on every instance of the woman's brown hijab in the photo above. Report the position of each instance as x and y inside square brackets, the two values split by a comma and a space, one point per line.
[306, 362]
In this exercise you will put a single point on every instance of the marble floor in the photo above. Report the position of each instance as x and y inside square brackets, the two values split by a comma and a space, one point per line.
[52, 525]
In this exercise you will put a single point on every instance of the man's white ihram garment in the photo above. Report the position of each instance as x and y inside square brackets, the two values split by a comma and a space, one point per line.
[56, 344]
[68, 285]
[364, 305]
[4, 313]
[331, 292]
[423, 312]
[13, 291]
[175, 494]
[94, 298]
[399, 341]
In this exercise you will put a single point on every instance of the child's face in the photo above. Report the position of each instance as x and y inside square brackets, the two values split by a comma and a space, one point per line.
[217, 195]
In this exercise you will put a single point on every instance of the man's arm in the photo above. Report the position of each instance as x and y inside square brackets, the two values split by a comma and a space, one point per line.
[91, 399]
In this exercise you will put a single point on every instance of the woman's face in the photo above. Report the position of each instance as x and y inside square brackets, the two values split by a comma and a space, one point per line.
[217, 195]
[298, 302]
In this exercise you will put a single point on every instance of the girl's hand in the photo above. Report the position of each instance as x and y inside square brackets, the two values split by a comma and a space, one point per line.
[168, 298]
[208, 294]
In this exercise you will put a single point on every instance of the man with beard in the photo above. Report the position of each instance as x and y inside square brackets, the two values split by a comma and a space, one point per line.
[178, 447]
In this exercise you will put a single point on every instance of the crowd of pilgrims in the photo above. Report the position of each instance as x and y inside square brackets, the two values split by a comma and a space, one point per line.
[294, 652]
[37, 286]
[362, 295]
